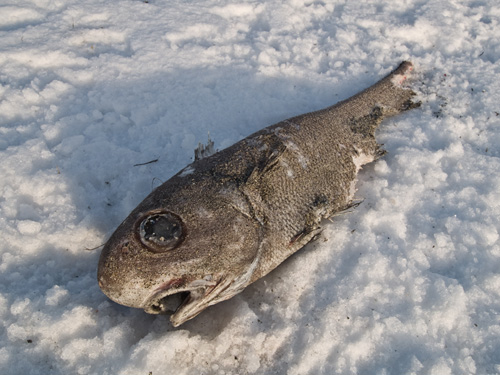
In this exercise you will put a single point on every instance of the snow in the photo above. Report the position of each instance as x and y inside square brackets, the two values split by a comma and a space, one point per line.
[407, 283]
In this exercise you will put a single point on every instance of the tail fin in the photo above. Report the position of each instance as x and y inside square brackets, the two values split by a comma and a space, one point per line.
[390, 94]
[388, 97]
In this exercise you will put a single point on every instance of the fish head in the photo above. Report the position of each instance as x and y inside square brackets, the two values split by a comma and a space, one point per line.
[185, 247]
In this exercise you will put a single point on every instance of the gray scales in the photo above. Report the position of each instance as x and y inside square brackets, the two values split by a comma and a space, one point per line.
[228, 219]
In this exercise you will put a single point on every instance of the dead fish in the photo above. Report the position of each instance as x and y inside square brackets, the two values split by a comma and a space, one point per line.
[227, 220]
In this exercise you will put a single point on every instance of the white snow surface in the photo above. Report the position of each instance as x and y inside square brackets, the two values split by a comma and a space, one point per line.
[407, 283]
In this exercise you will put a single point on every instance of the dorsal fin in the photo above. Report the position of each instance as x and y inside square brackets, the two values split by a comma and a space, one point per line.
[203, 151]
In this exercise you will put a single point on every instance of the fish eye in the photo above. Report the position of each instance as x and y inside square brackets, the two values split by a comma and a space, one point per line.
[161, 232]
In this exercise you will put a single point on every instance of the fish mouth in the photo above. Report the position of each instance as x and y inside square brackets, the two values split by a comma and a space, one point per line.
[168, 304]
[180, 302]
[185, 299]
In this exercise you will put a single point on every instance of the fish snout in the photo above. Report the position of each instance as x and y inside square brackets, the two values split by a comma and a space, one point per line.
[118, 285]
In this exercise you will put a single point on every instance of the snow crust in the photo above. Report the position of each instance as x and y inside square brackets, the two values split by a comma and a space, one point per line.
[408, 283]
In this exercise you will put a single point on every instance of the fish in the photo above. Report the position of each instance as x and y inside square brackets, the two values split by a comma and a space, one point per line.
[226, 220]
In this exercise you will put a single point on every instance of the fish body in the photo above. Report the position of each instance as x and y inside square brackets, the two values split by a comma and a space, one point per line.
[227, 220]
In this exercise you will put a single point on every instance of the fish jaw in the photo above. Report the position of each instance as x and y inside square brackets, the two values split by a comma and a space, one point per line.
[178, 297]
[182, 297]
[190, 300]
[184, 302]
[198, 294]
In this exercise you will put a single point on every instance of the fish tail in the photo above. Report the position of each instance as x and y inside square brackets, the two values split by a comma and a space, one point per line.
[388, 97]
[391, 94]
[396, 96]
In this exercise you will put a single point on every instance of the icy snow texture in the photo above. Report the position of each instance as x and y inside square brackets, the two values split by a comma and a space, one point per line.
[408, 283]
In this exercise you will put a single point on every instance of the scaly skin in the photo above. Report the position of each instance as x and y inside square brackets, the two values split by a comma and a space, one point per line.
[229, 219]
